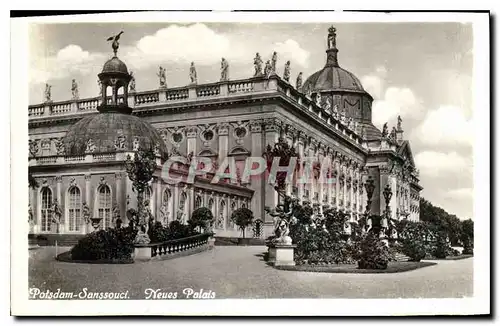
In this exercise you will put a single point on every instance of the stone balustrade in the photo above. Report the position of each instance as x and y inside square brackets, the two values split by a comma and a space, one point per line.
[172, 248]
[143, 100]
[88, 158]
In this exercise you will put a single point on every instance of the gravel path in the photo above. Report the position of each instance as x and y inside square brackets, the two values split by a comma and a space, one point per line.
[240, 272]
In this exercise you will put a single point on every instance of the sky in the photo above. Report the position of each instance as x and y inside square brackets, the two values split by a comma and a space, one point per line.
[420, 71]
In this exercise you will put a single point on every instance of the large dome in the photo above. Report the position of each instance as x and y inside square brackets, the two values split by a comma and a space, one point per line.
[333, 78]
[111, 132]
[115, 65]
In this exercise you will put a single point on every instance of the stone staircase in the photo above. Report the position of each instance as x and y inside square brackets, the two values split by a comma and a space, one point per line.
[401, 257]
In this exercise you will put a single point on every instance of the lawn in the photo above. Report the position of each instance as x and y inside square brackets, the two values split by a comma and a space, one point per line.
[393, 267]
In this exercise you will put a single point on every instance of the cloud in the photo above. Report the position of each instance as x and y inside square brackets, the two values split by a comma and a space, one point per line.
[396, 102]
[460, 194]
[68, 61]
[439, 164]
[445, 126]
[176, 45]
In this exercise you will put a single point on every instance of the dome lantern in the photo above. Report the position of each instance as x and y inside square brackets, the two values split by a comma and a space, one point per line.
[114, 80]
[331, 52]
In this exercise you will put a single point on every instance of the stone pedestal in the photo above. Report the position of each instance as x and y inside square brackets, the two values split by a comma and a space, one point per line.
[211, 242]
[142, 253]
[281, 254]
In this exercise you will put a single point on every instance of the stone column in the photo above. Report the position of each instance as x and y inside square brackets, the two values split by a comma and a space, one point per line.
[257, 182]
[223, 131]
[159, 199]
[300, 185]
[272, 129]
[320, 182]
[190, 203]
[337, 183]
[62, 223]
[191, 133]
[119, 195]
[35, 209]
[351, 192]
[88, 200]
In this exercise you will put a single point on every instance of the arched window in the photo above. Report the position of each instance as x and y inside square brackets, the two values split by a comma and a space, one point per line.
[148, 194]
[104, 206]
[74, 209]
[221, 217]
[198, 202]
[46, 194]
[230, 222]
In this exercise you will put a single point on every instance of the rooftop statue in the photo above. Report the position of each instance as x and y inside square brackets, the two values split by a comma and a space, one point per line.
[115, 44]
[268, 70]
[286, 73]
[224, 70]
[48, 93]
[162, 75]
[385, 131]
[393, 133]
[318, 99]
[274, 59]
[132, 82]
[332, 42]
[298, 82]
[257, 62]
[99, 84]
[192, 74]
[399, 123]
[74, 90]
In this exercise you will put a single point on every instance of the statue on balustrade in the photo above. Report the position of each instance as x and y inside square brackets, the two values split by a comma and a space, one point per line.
[48, 93]
[309, 93]
[86, 213]
[350, 123]
[59, 146]
[286, 72]
[257, 62]
[318, 99]
[267, 69]
[392, 136]
[90, 146]
[328, 105]
[224, 70]
[135, 144]
[385, 131]
[336, 111]
[399, 123]
[298, 82]
[192, 74]
[99, 84]
[74, 90]
[163, 78]
[220, 221]
[274, 60]
[132, 82]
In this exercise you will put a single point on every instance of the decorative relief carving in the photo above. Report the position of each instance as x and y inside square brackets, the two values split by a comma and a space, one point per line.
[256, 125]
[59, 146]
[192, 131]
[59, 178]
[103, 181]
[223, 129]
[87, 177]
[72, 182]
[33, 147]
[90, 147]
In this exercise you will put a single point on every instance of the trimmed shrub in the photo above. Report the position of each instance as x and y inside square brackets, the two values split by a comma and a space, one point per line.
[202, 217]
[110, 244]
[373, 254]
[177, 230]
[242, 217]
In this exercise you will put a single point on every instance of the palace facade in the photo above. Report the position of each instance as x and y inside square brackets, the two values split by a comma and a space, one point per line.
[78, 147]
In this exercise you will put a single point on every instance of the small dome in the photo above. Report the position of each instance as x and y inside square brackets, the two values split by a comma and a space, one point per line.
[114, 65]
[112, 132]
[333, 78]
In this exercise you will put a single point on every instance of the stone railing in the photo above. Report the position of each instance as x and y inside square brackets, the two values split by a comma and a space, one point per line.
[46, 159]
[143, 100]
[61, 108]
[173, 248]
[87, 158]
[88, 105]
[36, 111]
[79, 158]
[104, 157]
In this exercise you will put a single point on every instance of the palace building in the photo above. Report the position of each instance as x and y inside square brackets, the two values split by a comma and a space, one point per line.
[78, 147]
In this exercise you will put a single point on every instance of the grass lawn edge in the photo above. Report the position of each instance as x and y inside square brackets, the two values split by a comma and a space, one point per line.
[65, 257]
[392, 268]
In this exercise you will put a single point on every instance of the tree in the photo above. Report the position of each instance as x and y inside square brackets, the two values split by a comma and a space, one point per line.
[140, 172]
[242, 217]
[202, 217]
